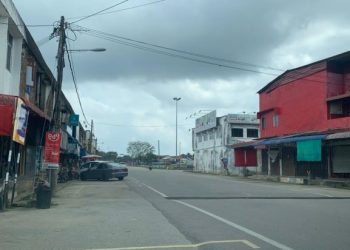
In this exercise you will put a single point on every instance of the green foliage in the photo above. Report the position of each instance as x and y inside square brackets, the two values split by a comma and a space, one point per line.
[108, 156]
[141, 151]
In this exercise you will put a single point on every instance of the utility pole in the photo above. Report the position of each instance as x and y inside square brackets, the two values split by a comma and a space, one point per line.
[158, 148]
[176, 99]
[60, 32]
[91, 137]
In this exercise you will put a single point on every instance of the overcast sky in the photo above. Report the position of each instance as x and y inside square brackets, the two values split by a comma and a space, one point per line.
[128, 92]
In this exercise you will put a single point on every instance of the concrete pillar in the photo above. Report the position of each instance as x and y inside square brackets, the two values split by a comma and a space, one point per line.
[329, 161]
[280, 162]
[268, 162]
[259, 161]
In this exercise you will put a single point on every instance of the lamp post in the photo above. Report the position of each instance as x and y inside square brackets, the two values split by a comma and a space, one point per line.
[176, 99]
[86, 50]
[60, 32]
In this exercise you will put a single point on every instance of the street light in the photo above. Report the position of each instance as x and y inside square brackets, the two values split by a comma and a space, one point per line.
[176, 99]
[84, 50]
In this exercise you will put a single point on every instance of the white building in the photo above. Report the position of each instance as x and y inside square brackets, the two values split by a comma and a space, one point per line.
[213, 138]
[12, 35]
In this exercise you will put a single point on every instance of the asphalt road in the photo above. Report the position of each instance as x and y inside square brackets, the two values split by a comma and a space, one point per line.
[229, 210]
[163, 209]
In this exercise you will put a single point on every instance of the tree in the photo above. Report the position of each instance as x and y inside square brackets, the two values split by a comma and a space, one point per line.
[149, 158]
[138, 150]
[108, 156]
[111, 156]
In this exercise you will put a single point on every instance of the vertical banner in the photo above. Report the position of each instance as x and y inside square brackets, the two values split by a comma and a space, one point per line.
[20, 123]
[52, 150]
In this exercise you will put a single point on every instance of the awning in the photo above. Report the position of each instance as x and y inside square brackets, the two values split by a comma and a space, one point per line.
[282, 140]
[245, 144]
[36, 110]
[91, 156]
[342, 135]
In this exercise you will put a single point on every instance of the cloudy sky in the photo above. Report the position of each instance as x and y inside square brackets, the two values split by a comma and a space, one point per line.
[128, 90]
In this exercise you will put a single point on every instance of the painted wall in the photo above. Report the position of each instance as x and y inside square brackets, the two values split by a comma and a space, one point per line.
[208, 153]
[301, 107]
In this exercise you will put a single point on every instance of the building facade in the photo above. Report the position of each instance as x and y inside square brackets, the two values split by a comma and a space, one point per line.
[28, 93]
[27, 85]
[213, 138]
[304, 118]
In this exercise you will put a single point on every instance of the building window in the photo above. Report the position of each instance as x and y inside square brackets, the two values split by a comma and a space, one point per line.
[199, 137]
[212, 134]
[252, 133]
[237, 132]
[263, 122]
[9, 51]
[218, 132]
[205, 137]
[275, 120]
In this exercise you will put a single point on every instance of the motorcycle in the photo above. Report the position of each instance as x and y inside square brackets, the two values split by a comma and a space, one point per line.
[63, 175]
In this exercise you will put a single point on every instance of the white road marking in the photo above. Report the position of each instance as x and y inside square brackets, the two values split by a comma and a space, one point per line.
[155, 190]
[239, 227]
[246, 242]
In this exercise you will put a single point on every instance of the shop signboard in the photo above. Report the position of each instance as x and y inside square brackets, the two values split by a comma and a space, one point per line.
[52, 150]
[74, 120]
[20, 123]
[206, 122]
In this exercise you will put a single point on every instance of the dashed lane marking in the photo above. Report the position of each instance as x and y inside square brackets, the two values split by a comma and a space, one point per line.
[227, 222]
[239, 227]
[186, 246]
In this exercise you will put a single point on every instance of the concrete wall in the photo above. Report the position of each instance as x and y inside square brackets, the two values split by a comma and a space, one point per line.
[208, 153]
[10, 80]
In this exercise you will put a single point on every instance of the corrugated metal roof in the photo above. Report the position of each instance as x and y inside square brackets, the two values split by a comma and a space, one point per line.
[282, 140]
[342, 135]
[303, 71]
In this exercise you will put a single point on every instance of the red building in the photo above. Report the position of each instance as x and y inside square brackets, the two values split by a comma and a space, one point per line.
[302, 108]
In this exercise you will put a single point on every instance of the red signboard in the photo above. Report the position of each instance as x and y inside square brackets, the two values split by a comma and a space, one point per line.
[6, 119]
[52, 149]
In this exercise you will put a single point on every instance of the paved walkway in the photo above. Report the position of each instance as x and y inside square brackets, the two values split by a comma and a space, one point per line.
[88, 215]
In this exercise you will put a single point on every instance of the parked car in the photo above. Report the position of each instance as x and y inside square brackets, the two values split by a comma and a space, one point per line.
[102, 170]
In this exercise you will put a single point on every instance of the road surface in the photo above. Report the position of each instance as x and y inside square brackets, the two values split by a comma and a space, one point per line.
[165, 209]
[269, 215]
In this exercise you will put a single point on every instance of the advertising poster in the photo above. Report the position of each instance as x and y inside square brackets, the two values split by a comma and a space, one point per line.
[52, 150]
[20, 123]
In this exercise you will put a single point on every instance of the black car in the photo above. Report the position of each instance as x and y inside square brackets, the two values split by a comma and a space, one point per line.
[101, 170]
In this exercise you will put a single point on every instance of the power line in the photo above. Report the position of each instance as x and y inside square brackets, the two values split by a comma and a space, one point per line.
[112, 38]
[100, 11]
[31, 25]
[119, 10]
[176, 55]
[75, 83]
[139, 126]
[179, 50]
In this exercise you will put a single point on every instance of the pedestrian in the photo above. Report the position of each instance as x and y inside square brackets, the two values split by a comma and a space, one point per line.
[224, 162]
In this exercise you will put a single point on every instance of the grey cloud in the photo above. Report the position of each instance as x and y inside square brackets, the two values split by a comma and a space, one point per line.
[240, 30]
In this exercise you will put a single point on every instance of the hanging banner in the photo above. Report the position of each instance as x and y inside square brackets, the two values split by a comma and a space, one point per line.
[20, 123]
[310, 150]
[52, 150]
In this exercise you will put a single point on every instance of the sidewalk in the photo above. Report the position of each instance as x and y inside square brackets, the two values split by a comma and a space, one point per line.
[333, 183]
[88, 215]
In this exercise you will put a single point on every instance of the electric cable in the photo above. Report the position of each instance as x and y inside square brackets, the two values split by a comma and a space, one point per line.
[75, 83]
[100, 11]
[119, 10]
